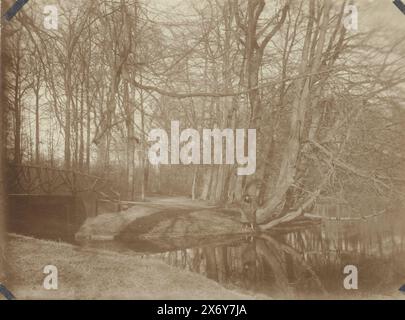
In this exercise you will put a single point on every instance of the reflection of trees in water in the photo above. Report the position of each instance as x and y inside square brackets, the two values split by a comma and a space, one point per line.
[249, 265]
[294, 264]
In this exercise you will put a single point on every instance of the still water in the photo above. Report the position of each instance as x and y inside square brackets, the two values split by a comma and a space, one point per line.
[293, 265]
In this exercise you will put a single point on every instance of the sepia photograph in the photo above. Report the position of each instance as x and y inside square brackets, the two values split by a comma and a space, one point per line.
[202, 150]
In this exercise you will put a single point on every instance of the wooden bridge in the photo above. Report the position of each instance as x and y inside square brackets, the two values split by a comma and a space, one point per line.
[55, 200]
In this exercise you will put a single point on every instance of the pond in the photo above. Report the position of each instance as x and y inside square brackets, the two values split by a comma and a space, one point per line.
[293, 264]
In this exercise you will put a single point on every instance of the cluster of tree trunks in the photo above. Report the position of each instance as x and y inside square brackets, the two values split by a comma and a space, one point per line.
[111, 73]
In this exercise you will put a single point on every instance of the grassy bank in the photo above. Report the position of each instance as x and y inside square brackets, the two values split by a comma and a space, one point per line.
[93, 274]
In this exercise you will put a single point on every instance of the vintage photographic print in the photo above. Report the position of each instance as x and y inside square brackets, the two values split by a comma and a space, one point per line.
[202, 150]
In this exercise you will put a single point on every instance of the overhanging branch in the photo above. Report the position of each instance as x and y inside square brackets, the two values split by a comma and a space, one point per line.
[184, 95]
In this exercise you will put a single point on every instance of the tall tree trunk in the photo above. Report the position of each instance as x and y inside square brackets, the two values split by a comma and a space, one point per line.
[67, 114]
[194, 184]
[143, 155]
[81, 129]
[88, 107]
[76, 128]
[310, 64]
[36, 89]
[130, 148]
[37, 138]
[17, 108]
[207, 181]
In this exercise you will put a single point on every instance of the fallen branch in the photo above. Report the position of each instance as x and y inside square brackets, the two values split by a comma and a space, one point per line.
[298, 212]
[314, 216]
[292, 215]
